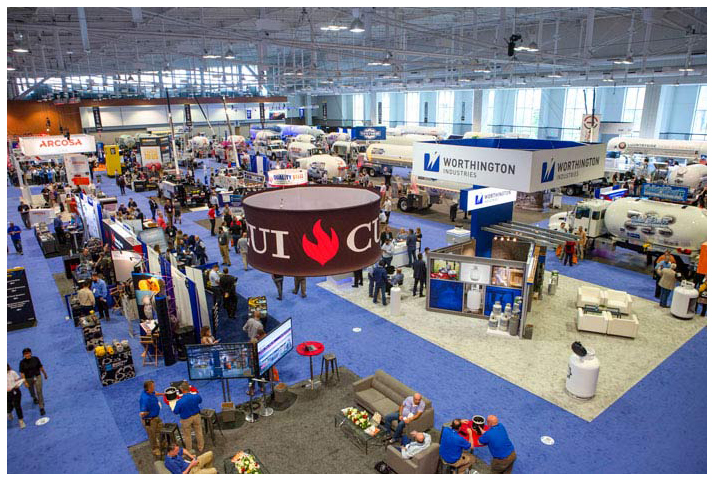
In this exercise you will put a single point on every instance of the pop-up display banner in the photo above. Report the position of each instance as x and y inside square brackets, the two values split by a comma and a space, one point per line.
[312, 231]
[57, 145]
[77, 168]
[287, 177]
[525, 165]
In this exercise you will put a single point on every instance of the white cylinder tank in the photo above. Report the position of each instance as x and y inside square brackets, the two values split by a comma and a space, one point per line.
[684, 301]
[690, 176]
[661, 223]
[199, 143]
[583, 372]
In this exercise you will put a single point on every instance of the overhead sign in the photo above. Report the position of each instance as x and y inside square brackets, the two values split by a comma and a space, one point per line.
[369, 133]
[379, 112]
[285, 177]
[248, 114]
[187, 115]
[616, 128]
[590, 128]
[524, 165]
[57, 145]
[262, 112]
[426, 112]
[324, 110]
[97, 118]
[488, 197]
[665, 192]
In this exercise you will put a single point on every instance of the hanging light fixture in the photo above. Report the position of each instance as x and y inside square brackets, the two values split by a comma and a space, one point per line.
[229, 55]
[357, 26]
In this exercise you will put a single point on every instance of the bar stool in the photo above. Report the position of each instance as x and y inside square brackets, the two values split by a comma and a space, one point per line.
[167, 434]
[329, 364]
[208, 419]
[446, 468]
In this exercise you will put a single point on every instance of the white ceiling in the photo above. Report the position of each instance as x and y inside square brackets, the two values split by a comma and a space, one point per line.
[428, 48]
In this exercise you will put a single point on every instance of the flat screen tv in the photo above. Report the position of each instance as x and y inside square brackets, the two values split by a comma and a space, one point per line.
[275, 345]
[220, 361]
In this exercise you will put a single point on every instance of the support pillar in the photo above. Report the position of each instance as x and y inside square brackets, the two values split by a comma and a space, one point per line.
[650, 123]
[476, 110]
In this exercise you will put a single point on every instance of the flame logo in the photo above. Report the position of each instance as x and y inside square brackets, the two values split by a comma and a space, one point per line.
[326, 247]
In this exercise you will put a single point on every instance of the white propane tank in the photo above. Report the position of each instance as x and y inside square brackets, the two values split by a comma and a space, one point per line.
[495, 315]
[690, 176]
[684, 301]
[660, 223]
[690, 149]
[335, 166]
[306, 138]
[199, 143]
[583, 371]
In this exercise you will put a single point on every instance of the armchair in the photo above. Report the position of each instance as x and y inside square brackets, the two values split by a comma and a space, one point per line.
[425, 462]
[593, 321]
[589, 296]
[626, 327]
[620, 300]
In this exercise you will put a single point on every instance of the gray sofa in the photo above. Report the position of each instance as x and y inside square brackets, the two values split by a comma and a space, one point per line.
[425, 462]
[160, 467]
[382, 393]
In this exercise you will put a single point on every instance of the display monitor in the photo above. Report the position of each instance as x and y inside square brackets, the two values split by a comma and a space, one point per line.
[220, 361]
[275, 345]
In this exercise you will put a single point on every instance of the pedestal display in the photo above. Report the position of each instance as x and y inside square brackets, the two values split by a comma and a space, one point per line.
[115, 363]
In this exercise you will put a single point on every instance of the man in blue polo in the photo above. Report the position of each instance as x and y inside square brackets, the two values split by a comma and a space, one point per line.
[188, 409]
[99, 289]
[453, 448]
[176, 464]
[149, 409]
[15, 234]
[501, 447]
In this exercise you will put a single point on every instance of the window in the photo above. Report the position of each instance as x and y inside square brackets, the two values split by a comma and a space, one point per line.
[358, 109]
[573, 112]
[527, 114]
[699, 122]
[487, 124]
[632, 107]
[384, 98]
[445, 109]
[411, 108]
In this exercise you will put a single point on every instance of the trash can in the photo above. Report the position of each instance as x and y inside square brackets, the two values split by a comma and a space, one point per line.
[395, 301]
[552, 286]
[583, 372]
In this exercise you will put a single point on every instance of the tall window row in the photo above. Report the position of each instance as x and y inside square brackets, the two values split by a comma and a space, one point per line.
[699, 122]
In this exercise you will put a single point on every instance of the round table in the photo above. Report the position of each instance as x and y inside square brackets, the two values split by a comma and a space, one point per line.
[315, 349]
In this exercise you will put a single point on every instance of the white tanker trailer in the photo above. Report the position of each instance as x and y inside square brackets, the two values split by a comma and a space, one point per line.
[200, 144]
[641, 225]
[693, 177]
[678, 149]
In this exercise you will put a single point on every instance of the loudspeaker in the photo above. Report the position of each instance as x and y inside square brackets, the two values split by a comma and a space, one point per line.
[183, 335]
[165, 334]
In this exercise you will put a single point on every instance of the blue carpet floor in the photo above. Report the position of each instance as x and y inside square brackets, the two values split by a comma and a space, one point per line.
[659, 426]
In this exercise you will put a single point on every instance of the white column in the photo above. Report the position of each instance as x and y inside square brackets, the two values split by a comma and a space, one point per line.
[308, 109]
[372, 109]
[476, 110]
[650, 124]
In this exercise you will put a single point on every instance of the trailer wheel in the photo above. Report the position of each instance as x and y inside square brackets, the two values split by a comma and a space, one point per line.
[570, 190]
[403, 204]
[371, 172]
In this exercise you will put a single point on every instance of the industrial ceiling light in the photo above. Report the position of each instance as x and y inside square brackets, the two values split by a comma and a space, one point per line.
[686, 69]
[625, 61]
[482, 69]
[650, 82]
[229, 55]
[10, 69]
[464, 80]
[374, 63]
[555, 75]
[20, 50]
[608, 79]
[533, 47]
[357, 26]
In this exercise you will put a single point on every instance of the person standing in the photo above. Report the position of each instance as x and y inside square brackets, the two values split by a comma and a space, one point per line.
[667, 281]
[387, 252]
[500, 446]
[358, 278]
[24, 211]
[228, 292]
[212, 219]
[569, 252]
[169, 211]
[582, 242]
[411, 247]
[242, 246]
[379, 276]
[15, 234]
[149, 410]
[388, 207]
[30, 369]
[236, 231]
[227, 217]
[121, 182]
[188, 408]
[99, 289]
[153, 207]
[419, 270]
[278, 281]
[86, 299]
[224, 245]
[14, 396]
[252, 325]
[300, 282]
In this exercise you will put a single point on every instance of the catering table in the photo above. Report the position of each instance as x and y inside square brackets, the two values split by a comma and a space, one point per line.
[310, 349]
[401, 258]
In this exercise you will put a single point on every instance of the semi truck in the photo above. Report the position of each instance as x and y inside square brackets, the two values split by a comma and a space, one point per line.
[349, 151]
[641, 225]
[380, 158]
[297, 150]
[270, 144]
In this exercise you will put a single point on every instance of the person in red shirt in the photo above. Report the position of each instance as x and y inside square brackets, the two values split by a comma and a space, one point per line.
[161, 222]
[569, 252]
[212, 218]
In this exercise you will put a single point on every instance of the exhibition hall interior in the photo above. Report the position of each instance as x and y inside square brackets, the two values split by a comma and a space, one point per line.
[356, 240]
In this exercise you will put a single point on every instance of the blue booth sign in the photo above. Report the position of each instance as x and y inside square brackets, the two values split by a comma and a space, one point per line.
[665, 192]
[369, 133]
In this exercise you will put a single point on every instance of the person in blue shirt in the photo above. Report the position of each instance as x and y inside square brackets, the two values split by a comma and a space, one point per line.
[379, 275]
[501, 447]
[59, 228]
[453, 448]
[176, 464]
[99, 289]
[149, 409]
[188, 408]
[15, 234]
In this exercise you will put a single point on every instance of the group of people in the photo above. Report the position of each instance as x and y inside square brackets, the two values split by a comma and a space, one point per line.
[572, 250]
[666, 275]
[31, 372]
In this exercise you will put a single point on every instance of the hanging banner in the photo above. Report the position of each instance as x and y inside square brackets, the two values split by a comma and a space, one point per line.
[369, 133]
[463, 111]
[286, 177]
[426, 112]
[187, 115]
[77, 169]
[488, 197]
[301, 113]
[262, 112]
[97, 118]
[57, 145]
[590, 128]
[150, 150]
[20, 310]
[312, 231]
[147, 287]
[324, 110]
[248, 114]
[379, 112]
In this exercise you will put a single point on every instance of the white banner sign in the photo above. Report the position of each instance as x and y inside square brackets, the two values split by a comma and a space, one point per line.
[487, 197]
[590, 128]
[150, 156]
[77, 168]
[285, 177]
[616, 128]
[57, 145]
[512, 169]
[42, 215]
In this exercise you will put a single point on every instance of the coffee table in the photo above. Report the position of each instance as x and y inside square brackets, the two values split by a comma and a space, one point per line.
[357, 434]
[230, 468]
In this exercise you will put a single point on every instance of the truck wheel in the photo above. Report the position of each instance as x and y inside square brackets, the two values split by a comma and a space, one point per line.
[403, 204]
[570, 190]
[371, 172]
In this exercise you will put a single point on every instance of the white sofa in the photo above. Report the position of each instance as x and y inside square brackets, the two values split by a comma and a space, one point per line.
[593, 321]
[626, 327]
[590, 296]
[619, 300]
